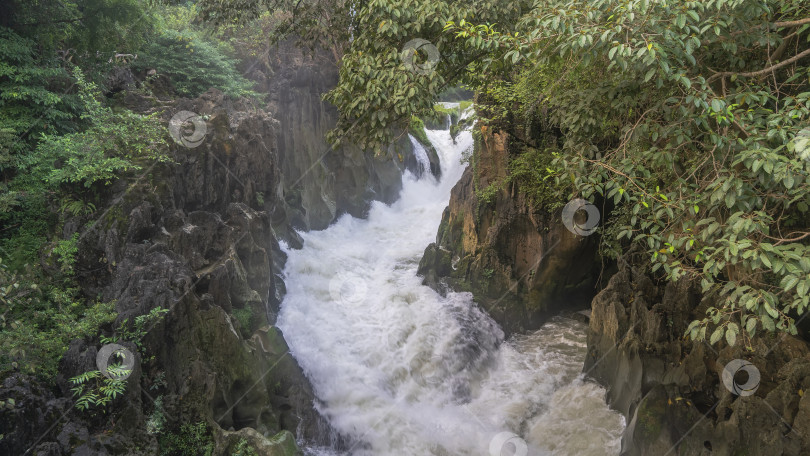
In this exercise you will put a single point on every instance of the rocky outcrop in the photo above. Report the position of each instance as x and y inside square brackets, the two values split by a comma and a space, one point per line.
[199, 236]
[320, 183]
[521, 264]
[193, 237]
[670, 389]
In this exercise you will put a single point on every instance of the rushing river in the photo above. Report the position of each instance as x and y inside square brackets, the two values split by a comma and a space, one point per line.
[402, 371]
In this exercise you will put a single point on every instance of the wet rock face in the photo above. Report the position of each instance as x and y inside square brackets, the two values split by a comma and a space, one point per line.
[320, 183]
[521, 264]
[671, 390]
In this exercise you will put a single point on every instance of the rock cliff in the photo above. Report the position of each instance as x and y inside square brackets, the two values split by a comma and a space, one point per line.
[671, 390]
[320, 183]
[200, 237]
[191, 237]
[520, 262]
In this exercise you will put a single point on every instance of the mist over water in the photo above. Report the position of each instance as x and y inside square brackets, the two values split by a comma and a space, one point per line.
[400, 370]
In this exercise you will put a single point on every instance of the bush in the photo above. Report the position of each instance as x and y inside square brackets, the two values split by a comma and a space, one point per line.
[108, 147]
[191, 440]
[194, 64]
[39, 321]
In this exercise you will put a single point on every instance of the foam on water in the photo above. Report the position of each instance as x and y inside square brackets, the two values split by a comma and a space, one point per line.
[402, 371]
[421, 154]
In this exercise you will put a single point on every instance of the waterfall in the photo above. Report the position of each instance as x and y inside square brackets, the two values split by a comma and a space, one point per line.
[421, 155]
[400, 370]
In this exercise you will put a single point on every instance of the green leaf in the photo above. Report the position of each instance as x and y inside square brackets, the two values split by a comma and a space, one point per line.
[731, 338]
[730, 199]
[767, 323]
[716, 335]
[771, 311]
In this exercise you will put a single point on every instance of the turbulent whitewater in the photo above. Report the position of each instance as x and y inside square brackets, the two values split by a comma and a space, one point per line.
[400, 370]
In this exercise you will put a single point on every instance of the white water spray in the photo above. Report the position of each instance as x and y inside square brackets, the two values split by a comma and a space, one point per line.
[421, 155]
[402, 371]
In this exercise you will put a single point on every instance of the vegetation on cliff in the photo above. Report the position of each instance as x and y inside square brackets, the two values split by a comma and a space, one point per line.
[692, 133]
[70, 140]
[688, 121]
[63, 142]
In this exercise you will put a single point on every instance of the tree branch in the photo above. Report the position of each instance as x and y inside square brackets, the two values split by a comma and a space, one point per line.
[793, 59]
[792, 23]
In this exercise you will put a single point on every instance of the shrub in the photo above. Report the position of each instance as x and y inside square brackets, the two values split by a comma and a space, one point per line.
[191, 440]
[194, 64]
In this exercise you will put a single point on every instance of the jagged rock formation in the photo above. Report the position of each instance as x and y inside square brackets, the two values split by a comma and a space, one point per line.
[320, 183]
[520, 262]
[671, 390]
[200, 237]
[190, 237]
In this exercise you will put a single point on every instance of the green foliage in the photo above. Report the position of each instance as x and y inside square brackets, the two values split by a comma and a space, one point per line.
[487, 194]
[245, 318]
[688, 128]
[377, 89]
[137, 330]
[76, 207]
[94, 390]
[66, 251]
[49, 151]
[194, 63]
[191, 440]
[325, 24]
[83, 28]
[104, 389]
[533, 172]
[157, 419]
[37, 322]
[108, 147]
[441, 112]
[28, 225]
[29, 100]
[417, 129]
[60, 144]
[243, 448]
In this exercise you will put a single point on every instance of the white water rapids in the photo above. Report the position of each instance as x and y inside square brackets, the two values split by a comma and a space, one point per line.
[402, 371]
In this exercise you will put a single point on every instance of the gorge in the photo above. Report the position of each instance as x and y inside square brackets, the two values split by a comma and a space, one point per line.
[399, 369]
[473, 228]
